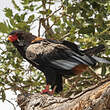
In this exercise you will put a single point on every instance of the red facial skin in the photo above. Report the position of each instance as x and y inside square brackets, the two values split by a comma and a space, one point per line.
[12, 38]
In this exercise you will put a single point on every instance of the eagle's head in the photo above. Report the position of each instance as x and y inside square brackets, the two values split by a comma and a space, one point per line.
[20, 37]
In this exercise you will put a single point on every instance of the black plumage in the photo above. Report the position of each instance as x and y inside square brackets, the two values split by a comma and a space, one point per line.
[54, 58]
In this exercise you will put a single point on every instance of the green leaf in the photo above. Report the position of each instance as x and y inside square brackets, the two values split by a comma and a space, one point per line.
[3, 95]
[31, 18]
[31, 7]
[15, 5]
[39, 7]
[42, 12]
[87, 30]
[3, 28]
[65, 2]
[49, 11]
[25, 2]
[71, 10]
[103, 70]
[50, 2]
[23, 26]
[95, 5]
[72, 31]
[105, 36]
[99, 19]
[23, 16]
[8, 12]
[17, 17]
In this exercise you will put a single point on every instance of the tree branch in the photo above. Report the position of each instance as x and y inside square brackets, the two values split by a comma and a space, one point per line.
[47, 28]
[94, 98]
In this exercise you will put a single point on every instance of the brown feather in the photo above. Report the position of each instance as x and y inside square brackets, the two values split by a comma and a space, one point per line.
[37, 39]
[80, 68]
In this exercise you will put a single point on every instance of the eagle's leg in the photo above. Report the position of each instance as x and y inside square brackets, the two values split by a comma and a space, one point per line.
[47, 91]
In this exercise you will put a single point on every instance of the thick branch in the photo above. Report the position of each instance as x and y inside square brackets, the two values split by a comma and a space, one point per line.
[94, 98]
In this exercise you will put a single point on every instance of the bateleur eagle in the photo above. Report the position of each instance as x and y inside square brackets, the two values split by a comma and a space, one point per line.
[54, 58]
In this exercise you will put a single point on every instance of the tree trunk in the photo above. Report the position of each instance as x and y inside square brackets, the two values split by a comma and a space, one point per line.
[94, 98]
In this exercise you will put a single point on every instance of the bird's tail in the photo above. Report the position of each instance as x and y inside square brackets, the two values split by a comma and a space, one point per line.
[94, 50]
[101, 60]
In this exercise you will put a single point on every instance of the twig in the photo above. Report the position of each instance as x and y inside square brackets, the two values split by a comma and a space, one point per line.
[50, 26]
[91, 88]
[53, 12]
[39, 28]
[11, 104]
[101, 33]
[93, 73]
[47, 28]
[87, 90]
[66, 35]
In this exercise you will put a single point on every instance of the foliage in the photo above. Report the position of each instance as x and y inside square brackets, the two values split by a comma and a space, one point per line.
[84, 21]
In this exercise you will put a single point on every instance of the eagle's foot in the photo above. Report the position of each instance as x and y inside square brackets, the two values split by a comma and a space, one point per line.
[47, 91]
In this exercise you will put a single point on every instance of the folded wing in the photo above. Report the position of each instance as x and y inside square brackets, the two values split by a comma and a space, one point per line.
[57, 55]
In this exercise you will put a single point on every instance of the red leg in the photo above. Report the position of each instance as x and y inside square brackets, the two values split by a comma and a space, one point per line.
[53, 91]
[46, 90]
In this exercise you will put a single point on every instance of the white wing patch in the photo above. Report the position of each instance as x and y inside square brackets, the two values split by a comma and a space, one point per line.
[65, 64]
[83, 59]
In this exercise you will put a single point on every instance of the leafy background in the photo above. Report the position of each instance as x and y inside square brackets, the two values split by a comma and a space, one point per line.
[85, 22]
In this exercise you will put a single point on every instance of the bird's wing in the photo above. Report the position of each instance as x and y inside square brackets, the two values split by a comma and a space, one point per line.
[68, 44]
[57, 55]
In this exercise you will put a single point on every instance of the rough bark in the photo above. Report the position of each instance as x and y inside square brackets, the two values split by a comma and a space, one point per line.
[94, 98]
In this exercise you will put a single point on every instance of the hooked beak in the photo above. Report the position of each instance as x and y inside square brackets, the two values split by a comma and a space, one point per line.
[9, 38]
